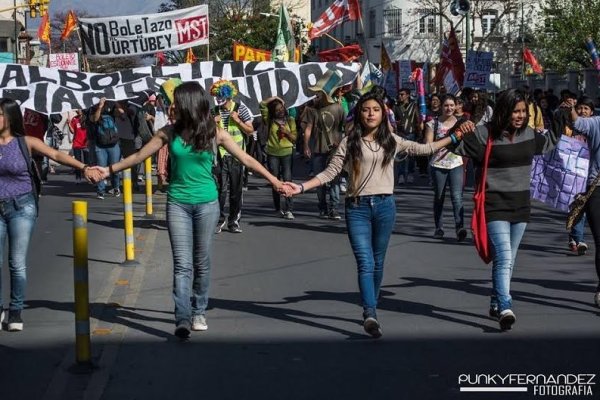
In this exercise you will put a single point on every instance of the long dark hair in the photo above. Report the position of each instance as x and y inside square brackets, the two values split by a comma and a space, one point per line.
[505, 104]
[383, 136]
[271, 108]
[194, 121]
[12, 114]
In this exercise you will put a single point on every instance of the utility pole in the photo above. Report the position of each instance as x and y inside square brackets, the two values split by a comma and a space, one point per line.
[16, 42]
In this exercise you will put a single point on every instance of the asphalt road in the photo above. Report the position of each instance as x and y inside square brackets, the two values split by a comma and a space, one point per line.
[284, 320]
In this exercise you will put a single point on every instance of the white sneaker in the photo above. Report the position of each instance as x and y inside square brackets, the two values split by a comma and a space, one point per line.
[288, 215]
[507, 319]
[199, 323]
[597, 299]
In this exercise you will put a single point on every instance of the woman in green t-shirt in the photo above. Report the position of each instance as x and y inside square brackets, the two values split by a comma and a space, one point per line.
[192, 203]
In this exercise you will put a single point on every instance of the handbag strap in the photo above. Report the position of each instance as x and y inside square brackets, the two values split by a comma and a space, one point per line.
[486, 160]
[593, 186]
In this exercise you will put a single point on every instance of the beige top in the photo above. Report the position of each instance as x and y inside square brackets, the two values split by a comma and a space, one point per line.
[374, 179]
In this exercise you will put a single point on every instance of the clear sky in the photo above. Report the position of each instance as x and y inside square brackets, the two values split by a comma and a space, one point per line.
[105, 8]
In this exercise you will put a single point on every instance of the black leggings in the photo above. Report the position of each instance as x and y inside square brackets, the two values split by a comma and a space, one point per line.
[592, 209]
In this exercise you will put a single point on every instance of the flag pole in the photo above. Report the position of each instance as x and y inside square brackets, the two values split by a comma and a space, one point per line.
[362, 26]
[334, 39]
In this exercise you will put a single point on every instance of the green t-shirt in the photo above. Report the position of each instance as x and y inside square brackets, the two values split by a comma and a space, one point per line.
[191, 180]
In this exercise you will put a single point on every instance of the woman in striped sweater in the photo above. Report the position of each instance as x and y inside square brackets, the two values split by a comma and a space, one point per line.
[507, 204]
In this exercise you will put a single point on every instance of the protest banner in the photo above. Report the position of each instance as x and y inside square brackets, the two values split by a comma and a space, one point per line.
[478, 68]
[144, 34]
[49, 90]
[557, 176]
[66, 61]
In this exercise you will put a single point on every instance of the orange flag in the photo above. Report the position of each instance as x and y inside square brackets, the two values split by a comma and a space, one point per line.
[530, 59]
[70, 25]
[190, 57]
[44, 29]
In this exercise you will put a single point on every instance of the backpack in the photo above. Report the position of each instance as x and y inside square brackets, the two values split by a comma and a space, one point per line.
[143, 129]
[106, 131]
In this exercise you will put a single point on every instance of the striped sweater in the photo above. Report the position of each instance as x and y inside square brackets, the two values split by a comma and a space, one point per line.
[509, 170]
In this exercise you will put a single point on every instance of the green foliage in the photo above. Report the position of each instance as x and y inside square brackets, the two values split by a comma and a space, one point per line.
[561, 32]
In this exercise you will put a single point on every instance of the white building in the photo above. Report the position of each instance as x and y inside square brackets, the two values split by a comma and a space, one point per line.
[414, 30]
[9, 28]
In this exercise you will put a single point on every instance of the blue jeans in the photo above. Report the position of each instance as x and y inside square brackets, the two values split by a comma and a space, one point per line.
[17, 219]
[191, 231]
[504, 238]
[333, 187]
[281, 167]
[578, 230]
[106, 156]
[454, 177]
[370, 221]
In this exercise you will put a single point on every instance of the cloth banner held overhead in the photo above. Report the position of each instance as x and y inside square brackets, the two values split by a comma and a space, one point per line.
[557, 176]
[479, 67]
[55, 91]
[144, 34]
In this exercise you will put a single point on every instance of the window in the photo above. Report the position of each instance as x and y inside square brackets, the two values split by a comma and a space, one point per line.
[4, 45]
[488, 21]
[393, 22]
[427, 22]
[372, 23]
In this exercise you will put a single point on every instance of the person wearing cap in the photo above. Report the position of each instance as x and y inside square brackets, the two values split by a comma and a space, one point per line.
[236, 119]
[325, 125]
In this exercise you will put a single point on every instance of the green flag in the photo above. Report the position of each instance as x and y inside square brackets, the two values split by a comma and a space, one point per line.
[285, 44]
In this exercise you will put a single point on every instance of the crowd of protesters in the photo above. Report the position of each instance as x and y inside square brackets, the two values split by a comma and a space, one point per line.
[354, 140]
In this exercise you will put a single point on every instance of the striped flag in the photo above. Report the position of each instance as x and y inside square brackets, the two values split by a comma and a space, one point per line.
[339, 12]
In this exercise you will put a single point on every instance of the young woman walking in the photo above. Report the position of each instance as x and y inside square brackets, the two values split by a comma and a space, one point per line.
[367, 154]
[192, 202]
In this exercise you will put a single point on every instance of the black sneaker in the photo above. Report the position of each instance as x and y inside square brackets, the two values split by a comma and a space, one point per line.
[15, 323]
[507, 319]
[461, 234]
[494, 312]
[183, 329]
[117, 193]
[438, 234]
[323, 215]
[100, 196]
[372, 327]
[333, 214]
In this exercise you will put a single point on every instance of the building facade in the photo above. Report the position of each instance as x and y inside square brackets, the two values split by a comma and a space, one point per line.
[10, 28]
[415, 30]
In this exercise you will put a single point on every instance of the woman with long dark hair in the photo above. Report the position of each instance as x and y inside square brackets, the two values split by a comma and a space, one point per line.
[18, 200]
[507, 196]
[446, 170]
[281, 137]
[192, 203]
[367, 154]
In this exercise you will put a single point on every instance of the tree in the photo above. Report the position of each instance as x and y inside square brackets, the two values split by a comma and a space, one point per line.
[562, 31]
[236, 21]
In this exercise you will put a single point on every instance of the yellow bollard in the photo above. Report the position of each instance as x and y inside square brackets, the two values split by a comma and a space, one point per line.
[80, 268]
[148, 171]
[128, 219]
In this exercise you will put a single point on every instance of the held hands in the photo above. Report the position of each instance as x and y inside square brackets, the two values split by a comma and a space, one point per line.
[290, 189]
[96, 174]
[465, 128]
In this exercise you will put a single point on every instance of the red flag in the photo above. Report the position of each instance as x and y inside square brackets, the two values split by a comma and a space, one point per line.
[190, 57]
[339, 12]
[451, 61]
[160, 58]
[70, 25]
[530, 59]
[44, 29]
[343, 54]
